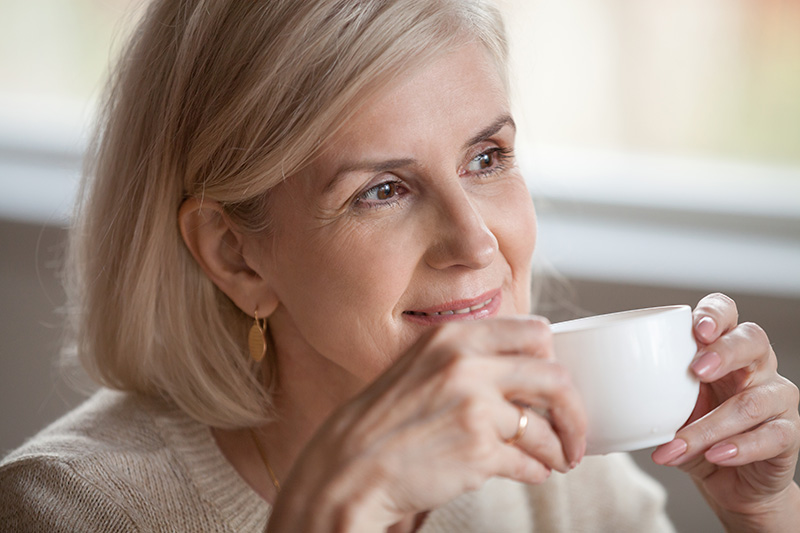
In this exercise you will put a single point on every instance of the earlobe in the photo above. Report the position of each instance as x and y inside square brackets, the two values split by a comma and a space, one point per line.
[217, 246]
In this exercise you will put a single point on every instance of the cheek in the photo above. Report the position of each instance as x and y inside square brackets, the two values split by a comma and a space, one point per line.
[342, 285]
[516, 235]
[339, 271]
[525, 229]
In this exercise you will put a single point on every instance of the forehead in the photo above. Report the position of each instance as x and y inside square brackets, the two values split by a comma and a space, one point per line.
[450, 97]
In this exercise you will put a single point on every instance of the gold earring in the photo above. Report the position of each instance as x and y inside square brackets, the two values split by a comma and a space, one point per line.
[257, 339]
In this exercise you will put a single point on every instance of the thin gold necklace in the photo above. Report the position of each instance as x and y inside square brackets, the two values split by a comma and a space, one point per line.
[263, 455]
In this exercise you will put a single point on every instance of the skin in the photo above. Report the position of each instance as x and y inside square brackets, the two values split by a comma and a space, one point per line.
[385, 411]
[741, 443]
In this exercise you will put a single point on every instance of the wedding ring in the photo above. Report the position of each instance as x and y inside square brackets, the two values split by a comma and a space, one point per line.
[521, 426]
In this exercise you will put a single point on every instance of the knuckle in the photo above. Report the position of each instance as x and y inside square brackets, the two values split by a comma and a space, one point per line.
[749, 405]
[785, 435]
[540, 325]
[794, 434]
[723, 300]
[755, 332]
[540, 336]
[706, 434]
[474, 411]
[792, 392]
[474, 418]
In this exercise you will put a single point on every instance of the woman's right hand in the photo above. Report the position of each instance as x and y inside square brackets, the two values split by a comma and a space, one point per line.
[435, 426]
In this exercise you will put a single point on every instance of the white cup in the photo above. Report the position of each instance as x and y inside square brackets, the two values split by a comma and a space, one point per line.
[632, 371]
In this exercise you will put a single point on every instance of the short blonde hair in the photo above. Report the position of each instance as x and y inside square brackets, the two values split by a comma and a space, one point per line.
[222, 99]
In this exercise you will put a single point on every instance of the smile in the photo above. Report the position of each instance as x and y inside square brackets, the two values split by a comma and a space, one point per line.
[483, 306]
[462, 311]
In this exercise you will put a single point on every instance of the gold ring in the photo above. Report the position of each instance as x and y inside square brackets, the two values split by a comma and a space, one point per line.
[521, 426]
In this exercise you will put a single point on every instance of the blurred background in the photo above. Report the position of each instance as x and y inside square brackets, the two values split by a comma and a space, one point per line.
[661, 142]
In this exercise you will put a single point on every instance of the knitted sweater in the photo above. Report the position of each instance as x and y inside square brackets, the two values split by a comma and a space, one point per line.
[121, 462]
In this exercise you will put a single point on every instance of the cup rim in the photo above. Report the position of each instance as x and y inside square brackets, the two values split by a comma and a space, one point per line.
[618, 318]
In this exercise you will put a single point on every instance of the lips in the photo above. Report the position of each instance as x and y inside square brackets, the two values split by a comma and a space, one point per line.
[462, 311]
[481, 306]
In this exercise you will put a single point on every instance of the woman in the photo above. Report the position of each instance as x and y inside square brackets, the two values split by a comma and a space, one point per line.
[332, 184]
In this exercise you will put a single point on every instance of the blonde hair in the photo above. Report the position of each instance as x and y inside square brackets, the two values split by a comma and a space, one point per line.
[222, 99]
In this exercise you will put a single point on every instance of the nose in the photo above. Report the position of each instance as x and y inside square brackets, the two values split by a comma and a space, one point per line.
[462, 237]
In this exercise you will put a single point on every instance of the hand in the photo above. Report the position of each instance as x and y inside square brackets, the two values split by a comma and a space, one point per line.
[741, 442]
[435, 426]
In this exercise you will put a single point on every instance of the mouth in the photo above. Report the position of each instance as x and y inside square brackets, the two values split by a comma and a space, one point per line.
[483, 306]
[462, 311]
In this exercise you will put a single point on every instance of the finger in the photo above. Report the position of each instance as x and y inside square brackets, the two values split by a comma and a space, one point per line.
[542, 443]
[547, 385]
[772, 440]
[454, 343]
[737, 415]
[513, 463]
[744, 347]
[714, 315]
[529, 335]
[514, 335]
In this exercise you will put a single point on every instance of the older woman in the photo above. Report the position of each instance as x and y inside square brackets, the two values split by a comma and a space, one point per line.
[303, 253]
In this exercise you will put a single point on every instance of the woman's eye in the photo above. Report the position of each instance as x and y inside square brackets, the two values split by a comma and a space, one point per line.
[381, 193]
[384, 191]
[481, 162]
[489, 161]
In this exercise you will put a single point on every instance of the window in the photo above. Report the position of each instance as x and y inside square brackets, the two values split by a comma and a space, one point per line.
[713, 78]
[657, 128]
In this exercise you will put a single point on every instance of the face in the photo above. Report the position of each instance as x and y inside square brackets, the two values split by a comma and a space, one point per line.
[414, 215]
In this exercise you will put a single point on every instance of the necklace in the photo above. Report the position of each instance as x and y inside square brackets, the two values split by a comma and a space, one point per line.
[263, 455]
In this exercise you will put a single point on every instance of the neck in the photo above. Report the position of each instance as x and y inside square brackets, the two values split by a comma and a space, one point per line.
[310, 388]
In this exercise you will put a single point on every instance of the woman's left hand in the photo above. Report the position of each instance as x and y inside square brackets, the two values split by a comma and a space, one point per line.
[741, 443]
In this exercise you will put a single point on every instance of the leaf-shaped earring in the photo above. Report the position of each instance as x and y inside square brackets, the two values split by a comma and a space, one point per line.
[257, 338]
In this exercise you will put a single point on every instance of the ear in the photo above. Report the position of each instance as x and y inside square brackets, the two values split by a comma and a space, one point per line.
[219, 250]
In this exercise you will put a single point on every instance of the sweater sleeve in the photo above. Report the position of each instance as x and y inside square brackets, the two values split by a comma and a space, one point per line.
[40, 495]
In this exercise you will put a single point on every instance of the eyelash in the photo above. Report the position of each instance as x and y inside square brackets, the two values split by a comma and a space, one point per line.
[501, 155]
[362, 201]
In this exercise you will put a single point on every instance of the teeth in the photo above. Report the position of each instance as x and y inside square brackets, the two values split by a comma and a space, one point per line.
[456, 311]
[479, 306]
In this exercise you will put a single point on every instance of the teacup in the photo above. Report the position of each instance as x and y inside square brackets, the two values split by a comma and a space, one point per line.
[632, 371]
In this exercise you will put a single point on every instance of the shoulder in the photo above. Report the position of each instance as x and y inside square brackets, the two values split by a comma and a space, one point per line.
[47, 494]
[106, 462]
[127, 460]
[98, 425]
[58, 480]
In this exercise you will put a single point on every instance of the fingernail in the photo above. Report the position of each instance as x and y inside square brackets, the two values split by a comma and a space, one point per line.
[721, 452]
[706, 364]
[670, 452]
[705, 327]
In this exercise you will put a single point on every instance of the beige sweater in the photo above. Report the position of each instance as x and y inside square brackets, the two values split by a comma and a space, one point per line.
[126, 463]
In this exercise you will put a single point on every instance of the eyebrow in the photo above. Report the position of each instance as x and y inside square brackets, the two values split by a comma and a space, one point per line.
[492, 129]
[377, 167]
